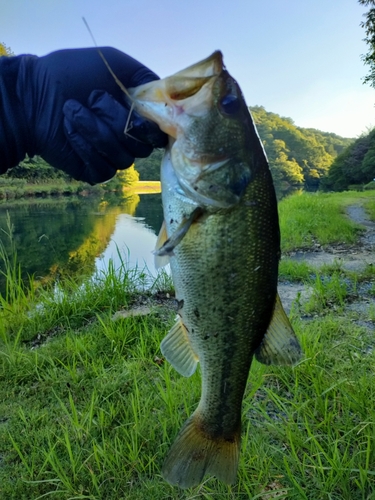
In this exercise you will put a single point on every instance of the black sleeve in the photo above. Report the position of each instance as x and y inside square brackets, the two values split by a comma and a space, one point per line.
[13, 128]
[67, 108]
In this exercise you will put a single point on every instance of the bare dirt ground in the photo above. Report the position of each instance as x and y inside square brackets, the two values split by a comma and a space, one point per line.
[349, 257]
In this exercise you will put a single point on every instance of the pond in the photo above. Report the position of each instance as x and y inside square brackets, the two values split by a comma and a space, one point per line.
[76, 237]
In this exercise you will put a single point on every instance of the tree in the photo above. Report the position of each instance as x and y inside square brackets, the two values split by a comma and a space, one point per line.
[35, 170]
[149, 168]
[354, 166]
[129, 176]
[369, 27]
[4, 50]
[287, 170]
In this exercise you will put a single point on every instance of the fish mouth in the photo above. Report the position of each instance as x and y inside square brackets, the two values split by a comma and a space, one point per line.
[185, 106]
[164, 101]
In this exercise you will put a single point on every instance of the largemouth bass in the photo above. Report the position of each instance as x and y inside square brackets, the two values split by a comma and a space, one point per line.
[221, 236]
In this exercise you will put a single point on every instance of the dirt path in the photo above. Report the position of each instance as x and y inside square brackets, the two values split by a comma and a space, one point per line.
[350, 257]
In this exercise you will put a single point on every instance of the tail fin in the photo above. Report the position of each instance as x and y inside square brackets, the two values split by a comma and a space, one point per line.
[194, 454]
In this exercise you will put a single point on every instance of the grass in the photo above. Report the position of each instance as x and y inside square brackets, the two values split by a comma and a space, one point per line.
[18, 188]
[307, 219]
[15, 189]
[295, 270]
[370, 208]
[88, 407]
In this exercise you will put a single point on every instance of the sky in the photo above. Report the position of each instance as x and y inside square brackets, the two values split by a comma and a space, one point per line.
[297, 58]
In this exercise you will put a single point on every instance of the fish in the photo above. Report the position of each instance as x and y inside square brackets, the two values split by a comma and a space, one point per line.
[221, 238]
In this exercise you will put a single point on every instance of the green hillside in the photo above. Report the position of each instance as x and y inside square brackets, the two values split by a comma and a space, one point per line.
[298, 156]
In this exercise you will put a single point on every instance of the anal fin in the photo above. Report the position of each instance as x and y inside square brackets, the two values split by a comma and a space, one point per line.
[177, 349]
[280, 345]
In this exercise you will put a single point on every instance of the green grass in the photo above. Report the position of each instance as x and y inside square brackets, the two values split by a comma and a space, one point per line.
[370, 208]
[89, 412]
[88, 407]
[317, 218]
[295, 270]
[17, 189]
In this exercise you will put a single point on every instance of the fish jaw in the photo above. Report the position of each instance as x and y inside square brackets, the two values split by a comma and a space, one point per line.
[218, 182]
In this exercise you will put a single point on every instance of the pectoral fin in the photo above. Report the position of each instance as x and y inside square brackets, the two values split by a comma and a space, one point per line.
[161, 260]
[177, 349]
[167, 248]
[280, 345]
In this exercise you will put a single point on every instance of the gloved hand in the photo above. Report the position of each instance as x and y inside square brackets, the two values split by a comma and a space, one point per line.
[76, 113]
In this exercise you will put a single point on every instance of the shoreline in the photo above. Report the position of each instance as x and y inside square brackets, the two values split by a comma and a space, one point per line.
[20, 189]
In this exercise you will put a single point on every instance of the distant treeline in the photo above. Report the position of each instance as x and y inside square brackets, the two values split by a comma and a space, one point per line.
[37, 171]
[298, 156]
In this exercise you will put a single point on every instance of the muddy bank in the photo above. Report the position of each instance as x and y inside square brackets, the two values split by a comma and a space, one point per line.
[353, 258]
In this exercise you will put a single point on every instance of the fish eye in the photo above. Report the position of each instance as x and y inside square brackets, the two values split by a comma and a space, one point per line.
[230, 104]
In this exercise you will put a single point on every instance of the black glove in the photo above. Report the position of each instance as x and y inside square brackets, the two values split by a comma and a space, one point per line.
[67, 108]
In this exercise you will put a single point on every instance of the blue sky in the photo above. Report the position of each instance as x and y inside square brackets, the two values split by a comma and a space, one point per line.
[297, 58]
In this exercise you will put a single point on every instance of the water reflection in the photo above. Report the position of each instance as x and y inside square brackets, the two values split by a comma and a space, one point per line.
[132, 241]
[77, 237]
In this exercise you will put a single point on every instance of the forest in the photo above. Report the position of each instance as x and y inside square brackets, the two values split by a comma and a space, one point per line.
[354, 166]
[297, 156]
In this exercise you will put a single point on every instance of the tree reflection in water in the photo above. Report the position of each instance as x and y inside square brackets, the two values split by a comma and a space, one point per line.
[75, 237]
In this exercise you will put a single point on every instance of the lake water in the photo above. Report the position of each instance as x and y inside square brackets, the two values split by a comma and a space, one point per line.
[77, 237]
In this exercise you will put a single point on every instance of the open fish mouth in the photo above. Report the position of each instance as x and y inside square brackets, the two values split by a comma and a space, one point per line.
[163, 100]
[194, 107]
